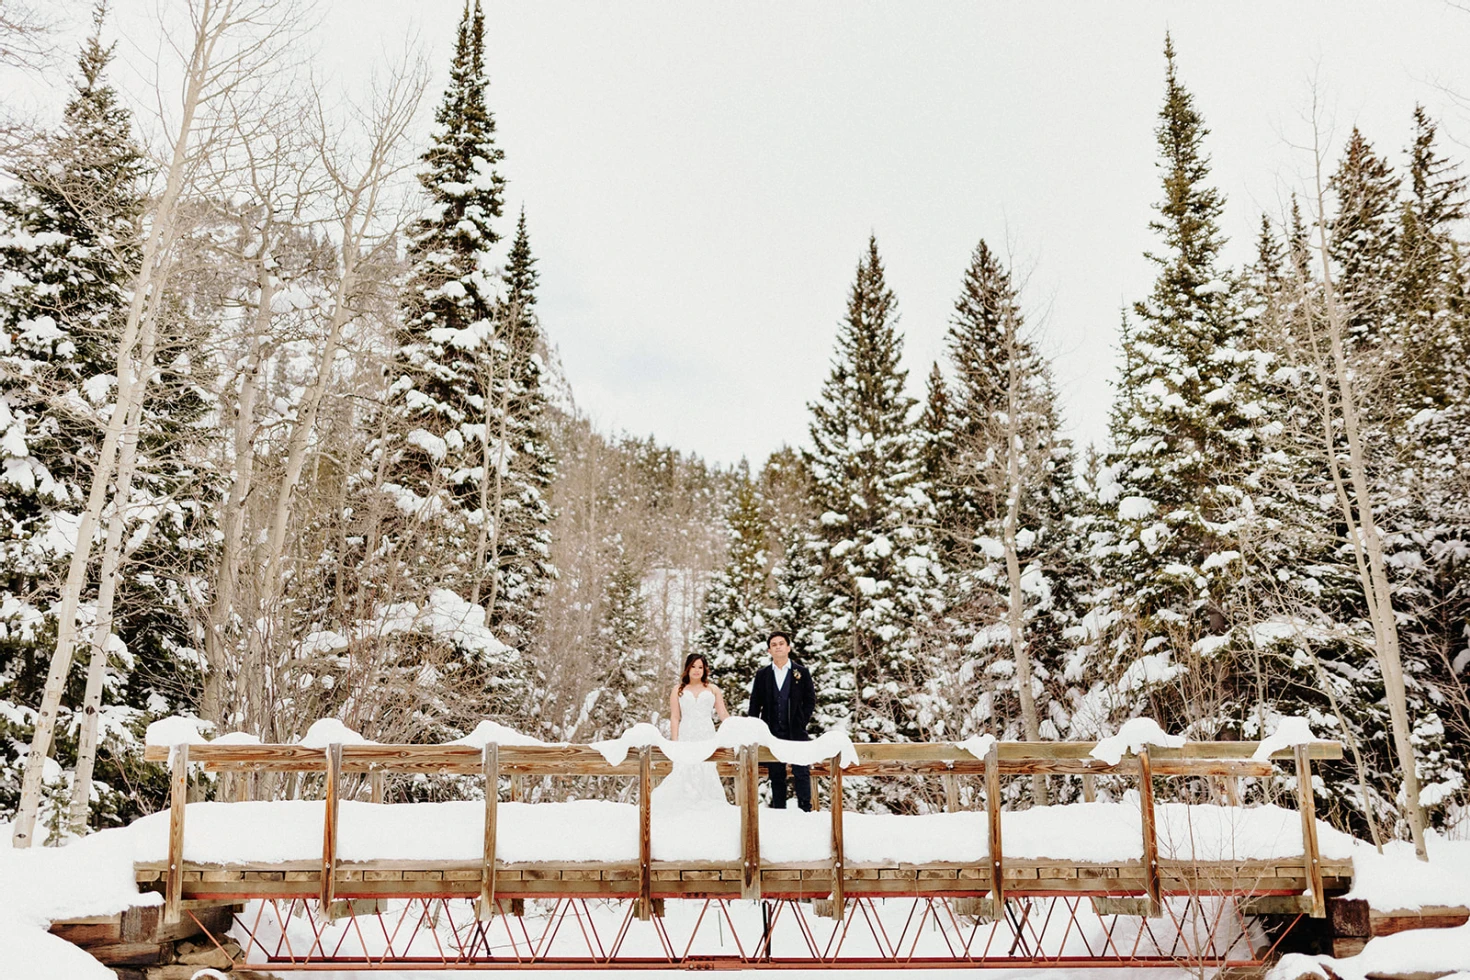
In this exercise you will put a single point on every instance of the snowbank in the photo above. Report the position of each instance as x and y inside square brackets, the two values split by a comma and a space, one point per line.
[91, 876]
[1396, 879]
[1418, 952]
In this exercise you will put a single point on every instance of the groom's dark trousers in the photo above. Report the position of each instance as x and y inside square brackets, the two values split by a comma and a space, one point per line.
[787, 711]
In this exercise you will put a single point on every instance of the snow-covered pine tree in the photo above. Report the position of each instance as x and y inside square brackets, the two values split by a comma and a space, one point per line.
[1183, 444]
[1308, 652]
[624, 656]
[1428, 527]
[1364, 239]
[880, 574]
[523, 463]
[443, 422]
[734, 625]
[1005, 473]
[70, 248]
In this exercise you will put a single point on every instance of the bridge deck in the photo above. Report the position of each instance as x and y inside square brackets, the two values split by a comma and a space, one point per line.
[398, 879]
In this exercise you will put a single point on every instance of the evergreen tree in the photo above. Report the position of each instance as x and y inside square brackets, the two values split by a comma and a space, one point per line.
[1176, 484]
[1364, 240]
[624, 657]
[448, 433]
[879, 569]
[1004, 406]
[734, 626]
[525, 464]
[70, 251]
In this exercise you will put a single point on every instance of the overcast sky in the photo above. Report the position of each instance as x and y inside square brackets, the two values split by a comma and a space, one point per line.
[700, 179]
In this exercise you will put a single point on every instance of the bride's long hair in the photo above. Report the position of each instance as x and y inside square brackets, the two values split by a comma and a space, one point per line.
[689, 661]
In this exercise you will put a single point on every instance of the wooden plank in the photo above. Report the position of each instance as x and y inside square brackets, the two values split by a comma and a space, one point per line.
[375, 785]
[178, 799]
[329, 825]
[750, 825]
[1274, 904]
[645, 832]
[992, 812]
[1311, 857]
[951, 785]
[838, 855]
[1150, 834]
[1427, 917]
[490, 763]
[1089, 788]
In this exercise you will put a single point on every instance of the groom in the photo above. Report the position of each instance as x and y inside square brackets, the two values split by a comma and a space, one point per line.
[783, 696]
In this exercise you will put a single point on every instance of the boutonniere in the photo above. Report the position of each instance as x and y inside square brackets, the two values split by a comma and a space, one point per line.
[796, 675]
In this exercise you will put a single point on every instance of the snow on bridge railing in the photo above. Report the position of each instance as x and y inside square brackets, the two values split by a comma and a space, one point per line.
[1152, 754]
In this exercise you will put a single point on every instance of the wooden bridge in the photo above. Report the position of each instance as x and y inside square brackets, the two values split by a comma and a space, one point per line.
[995, 911]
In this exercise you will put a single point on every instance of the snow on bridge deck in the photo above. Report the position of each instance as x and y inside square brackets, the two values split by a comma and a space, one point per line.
[587, 847]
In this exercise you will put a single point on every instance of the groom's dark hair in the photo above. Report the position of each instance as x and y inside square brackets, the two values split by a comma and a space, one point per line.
[782, 634]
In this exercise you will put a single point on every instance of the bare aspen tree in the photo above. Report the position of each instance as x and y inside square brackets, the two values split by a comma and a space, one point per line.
[25, 35]
[112, 559]
[360, 182]
[1355, 500]
[267, 167]
[226, 41]
[1020, 475]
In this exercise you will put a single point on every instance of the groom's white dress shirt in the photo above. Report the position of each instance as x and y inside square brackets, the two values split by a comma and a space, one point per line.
[781, 673]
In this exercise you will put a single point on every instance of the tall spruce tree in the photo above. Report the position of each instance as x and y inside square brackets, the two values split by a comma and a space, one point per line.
[880, 573]
[1001, 442]
[523, 464]
[446, 430]
[1183, 444]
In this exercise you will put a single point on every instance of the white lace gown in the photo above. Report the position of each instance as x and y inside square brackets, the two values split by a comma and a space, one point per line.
[692, 786]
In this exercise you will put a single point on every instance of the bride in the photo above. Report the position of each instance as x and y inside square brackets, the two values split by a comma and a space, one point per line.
[694, 703]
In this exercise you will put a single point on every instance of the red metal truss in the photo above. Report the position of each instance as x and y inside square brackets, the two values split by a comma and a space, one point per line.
[440, 933]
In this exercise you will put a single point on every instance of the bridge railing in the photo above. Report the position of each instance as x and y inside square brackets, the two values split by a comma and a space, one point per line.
[1223, 761]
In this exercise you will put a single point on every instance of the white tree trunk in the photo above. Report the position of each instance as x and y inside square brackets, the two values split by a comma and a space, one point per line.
[1367, 542]
[1016, 598]
[209, 73]
[112, 559]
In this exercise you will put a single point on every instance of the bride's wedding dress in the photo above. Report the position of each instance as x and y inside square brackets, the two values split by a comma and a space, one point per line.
[693, 785]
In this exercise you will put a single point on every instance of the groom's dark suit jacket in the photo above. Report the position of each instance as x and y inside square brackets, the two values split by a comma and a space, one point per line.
[801, 700]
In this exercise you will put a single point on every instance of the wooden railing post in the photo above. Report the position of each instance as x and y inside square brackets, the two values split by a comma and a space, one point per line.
[645, 832]
[1150, 833]
[992, 814]
[1089, 787]
[375, 785]
[490, 764]
[838, 864]
[173, 891]
[329, 826]
[1306, 803]
[750, 824]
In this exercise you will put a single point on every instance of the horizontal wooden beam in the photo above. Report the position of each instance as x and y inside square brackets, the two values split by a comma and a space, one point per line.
[1014, 758]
